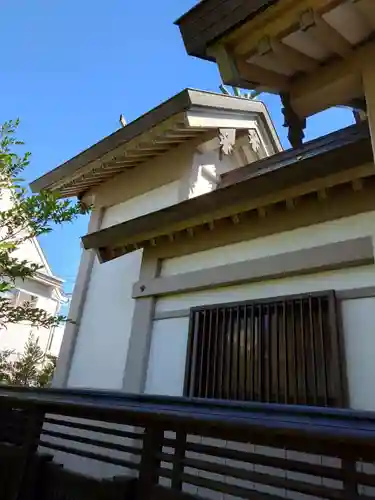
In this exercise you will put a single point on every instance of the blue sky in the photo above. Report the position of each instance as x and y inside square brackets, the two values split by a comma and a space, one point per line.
[69, 68]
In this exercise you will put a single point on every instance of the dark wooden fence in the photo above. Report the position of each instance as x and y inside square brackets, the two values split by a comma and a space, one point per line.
[78, 445]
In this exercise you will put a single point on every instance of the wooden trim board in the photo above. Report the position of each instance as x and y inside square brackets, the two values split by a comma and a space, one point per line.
[355, 252]
[341, 295]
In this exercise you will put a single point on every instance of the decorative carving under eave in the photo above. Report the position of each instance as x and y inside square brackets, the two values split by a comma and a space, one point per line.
[254, 140]
[227, 138]
[295, 124]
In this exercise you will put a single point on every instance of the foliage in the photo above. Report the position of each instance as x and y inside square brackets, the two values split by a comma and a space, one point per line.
[22, 218]
[31, 368]
[236, 92]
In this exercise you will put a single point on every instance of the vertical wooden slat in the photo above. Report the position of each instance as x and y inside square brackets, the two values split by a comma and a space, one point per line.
[252, 357]
[323, 392]
[244, 356]
[202, 350]
[285, 337]
[260, 354]
[294, 351]
[223, 336]
[303, 353]
[313, 377]
[150, 463]
[275, 383]
[191, 355]
[236, 354]
[267, 353]
[179, 455]
[228, 356]
[215, 369]
[208, 358]
[336, 370]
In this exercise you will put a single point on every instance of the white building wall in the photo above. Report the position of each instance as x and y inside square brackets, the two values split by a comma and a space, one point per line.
[102, 342]
[358, 315]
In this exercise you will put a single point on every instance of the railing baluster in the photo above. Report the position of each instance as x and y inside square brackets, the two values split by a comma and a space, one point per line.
[150, 461]
[179, 455]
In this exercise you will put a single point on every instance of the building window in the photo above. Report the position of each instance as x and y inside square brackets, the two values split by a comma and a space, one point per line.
[286, 350]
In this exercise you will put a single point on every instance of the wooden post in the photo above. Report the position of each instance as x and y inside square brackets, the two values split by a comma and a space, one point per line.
[28, 452]
[150, 461]
[179, 455]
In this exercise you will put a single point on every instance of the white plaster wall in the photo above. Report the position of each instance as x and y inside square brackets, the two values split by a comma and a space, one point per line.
[358, 324]
[104, 330]
[166, 368]
[145, 203]
[211, 162]
[358, 315]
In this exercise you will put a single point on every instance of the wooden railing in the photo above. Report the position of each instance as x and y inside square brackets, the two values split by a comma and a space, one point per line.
[70, 445]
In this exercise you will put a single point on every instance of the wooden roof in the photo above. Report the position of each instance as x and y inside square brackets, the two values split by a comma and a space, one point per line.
[310, 50]
[209, 20]
[151, 135]
[240, 191]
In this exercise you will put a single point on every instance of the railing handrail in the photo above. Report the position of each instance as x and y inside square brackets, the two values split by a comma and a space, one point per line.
[326, 423]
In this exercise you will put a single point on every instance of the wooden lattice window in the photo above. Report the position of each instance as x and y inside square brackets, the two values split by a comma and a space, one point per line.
[285, 350]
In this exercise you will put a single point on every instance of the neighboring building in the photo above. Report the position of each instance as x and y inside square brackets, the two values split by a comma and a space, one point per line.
[159, 164]
[44, 291]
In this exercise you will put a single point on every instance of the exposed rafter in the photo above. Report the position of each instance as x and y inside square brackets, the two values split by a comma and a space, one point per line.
[294, 59]
[257, 76]
[324, 33]
[274, 21]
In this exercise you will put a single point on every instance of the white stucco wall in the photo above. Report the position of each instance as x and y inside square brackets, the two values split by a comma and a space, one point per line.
[358, 315]
[102, 341]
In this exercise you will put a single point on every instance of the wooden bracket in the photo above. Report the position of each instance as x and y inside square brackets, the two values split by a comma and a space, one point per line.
[295, 124]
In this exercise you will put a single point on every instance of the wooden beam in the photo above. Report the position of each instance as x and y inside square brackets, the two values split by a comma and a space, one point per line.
[367, 9]
[246, 75]
[293, 58]
[258, 76]
[281, 18]
[331, 85]
[324, 33]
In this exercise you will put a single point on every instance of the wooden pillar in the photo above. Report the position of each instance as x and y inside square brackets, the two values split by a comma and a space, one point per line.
[135, 372]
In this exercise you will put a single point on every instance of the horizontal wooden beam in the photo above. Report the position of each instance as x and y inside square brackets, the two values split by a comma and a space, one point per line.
[292, 57]
[258, 76]
[355, 252]
[341, 295]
